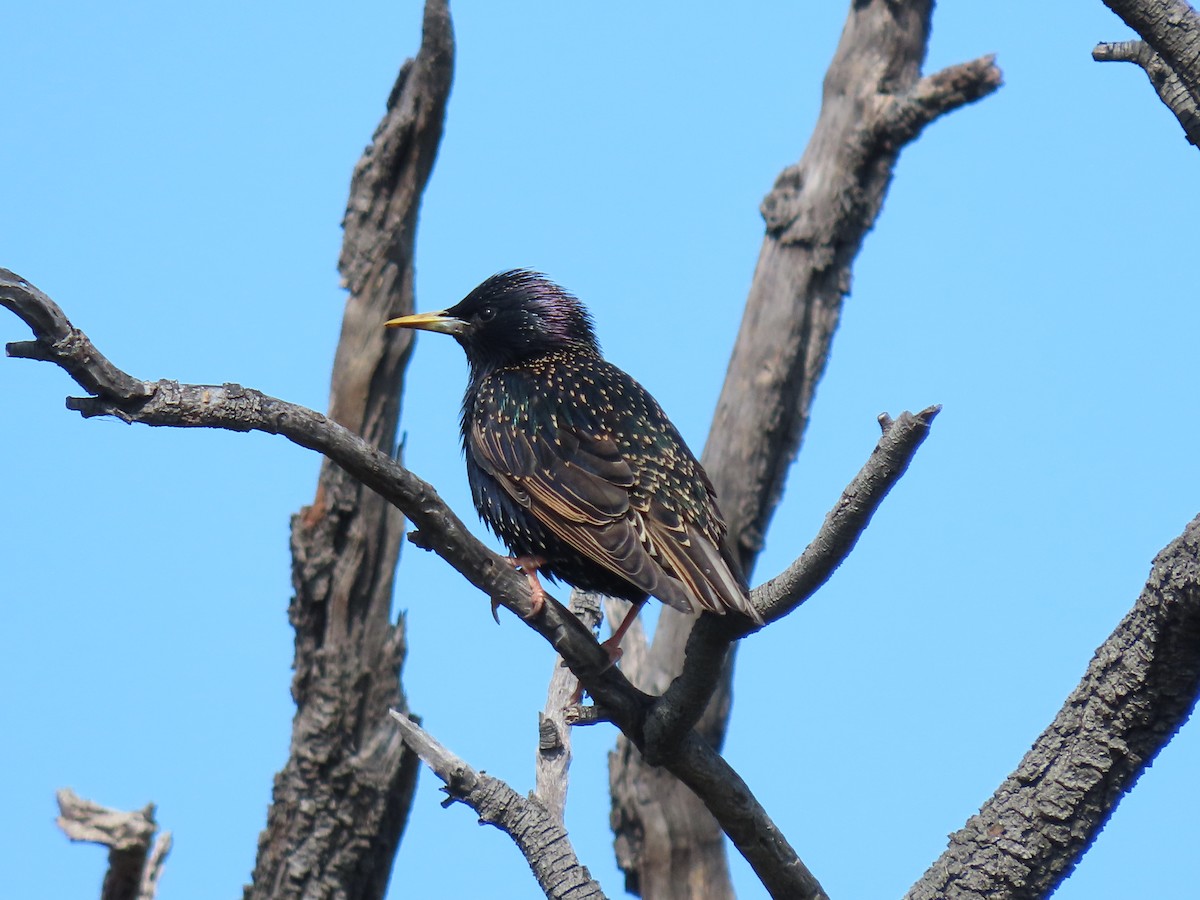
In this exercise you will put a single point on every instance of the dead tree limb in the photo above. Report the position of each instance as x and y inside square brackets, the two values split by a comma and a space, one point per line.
[1168, 85]
[539, 834]
[1169, 54]
[135, 856]
[168, 403]
[1141, 686]
[553, 761]
[341, 800]
[695, 762]
[681, 705]
[819, 211]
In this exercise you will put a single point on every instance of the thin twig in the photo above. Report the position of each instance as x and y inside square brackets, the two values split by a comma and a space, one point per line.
[846, 522]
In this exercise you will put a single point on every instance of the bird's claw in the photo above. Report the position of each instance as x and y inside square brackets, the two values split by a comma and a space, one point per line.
[614, 651]
[537, 602]
[576, 696]
[528, 566]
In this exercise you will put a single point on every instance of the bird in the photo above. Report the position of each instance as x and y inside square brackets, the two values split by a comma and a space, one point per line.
[572, 463]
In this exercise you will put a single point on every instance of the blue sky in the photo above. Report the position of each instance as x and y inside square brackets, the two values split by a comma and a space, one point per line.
[175, 179]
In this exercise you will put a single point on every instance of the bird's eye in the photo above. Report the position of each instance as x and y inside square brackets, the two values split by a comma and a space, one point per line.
[487, 314]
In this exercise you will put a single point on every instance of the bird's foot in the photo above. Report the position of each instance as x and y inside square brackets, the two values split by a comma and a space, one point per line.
[612, 647]
[614, 654]
[527, 566]
[576, 696]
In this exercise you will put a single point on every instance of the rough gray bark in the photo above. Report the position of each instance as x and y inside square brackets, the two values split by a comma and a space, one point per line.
[1169, 87]
[1169, 53]
[135, 856]
[1140, 687]
[538, 833]
[875, 101]
[1171, 28]
[341, 800]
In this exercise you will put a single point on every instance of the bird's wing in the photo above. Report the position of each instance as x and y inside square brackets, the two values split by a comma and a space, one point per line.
[611, 507]
[695, 554]
[578, 487]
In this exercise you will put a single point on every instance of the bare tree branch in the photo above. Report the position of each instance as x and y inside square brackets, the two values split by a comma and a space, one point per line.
[235, 408]
[682, 704]
[1169, 87]
[135, 857]
[1140, 687]
[1142, 684]
[1169, 53]
[340, 802]
[554, 732]
[168, 403]
[540, 835]
[845, 523]
[1172, 29]
[817, 215]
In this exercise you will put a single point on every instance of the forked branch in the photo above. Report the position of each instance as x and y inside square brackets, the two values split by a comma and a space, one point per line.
[682, 704]
[876, 99]
[135, 855]
[168, 403]
[1169, 54]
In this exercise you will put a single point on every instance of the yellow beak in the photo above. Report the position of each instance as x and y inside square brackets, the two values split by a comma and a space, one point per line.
[437, 321]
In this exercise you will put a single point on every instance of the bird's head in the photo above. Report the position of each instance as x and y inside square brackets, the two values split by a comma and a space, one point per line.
[512, 317]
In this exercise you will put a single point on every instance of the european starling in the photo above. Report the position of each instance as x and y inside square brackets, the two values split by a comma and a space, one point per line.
[573, 464]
